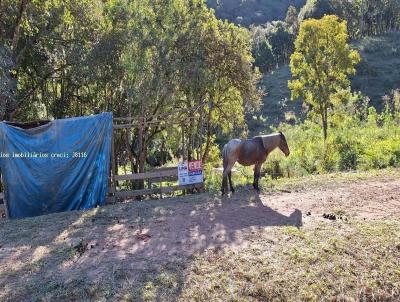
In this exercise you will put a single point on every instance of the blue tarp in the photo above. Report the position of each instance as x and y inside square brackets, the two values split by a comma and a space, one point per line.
[60, 166]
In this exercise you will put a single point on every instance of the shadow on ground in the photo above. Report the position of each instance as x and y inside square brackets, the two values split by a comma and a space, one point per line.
[132, 251]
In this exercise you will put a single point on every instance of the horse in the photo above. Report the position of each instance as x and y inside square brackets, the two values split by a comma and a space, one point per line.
[250, 152]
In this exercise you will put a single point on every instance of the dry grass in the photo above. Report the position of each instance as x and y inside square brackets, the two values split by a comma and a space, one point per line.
[329, 180]
[356, 261]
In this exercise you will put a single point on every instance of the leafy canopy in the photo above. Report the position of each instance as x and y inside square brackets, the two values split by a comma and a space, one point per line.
[321, 64]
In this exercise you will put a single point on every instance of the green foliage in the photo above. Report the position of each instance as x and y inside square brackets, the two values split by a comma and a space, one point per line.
[272, 44]
[141, 59]
[321, 64]
[364, 17]
[281, 40]
[180, 56]
[52, 55]
[316, 9]
[292, 19]
[264, 56]
[377, 74]
[348, 153]
[353, 144]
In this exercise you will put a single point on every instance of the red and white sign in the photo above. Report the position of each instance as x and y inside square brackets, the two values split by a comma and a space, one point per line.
[190, 172]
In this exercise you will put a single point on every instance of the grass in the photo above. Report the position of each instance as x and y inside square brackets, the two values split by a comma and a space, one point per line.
[325, 180]
[379, 71]
[341, 261]
[355, 261]
[277, 106]
[244, 177]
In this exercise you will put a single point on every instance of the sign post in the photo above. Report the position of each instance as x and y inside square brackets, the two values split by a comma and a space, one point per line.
[190, 172]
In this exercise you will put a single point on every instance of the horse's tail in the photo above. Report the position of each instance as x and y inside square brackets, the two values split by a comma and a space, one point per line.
[224, 156]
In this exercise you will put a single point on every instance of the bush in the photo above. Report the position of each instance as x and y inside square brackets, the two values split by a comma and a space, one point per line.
[352, 144]
[360, 139]
[348, 153]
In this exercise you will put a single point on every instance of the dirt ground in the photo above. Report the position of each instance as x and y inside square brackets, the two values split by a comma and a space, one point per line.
[45, 254]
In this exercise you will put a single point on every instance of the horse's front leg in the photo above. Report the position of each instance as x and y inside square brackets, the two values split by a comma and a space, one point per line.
[230, 181]
[257, 171]
[227, 171]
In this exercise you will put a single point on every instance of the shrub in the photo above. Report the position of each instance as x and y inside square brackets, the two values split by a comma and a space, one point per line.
[353, 143]
[348, 153]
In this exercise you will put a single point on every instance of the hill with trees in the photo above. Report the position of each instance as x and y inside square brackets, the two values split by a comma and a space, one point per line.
[247, 12]
[372, 27]
[377, 75]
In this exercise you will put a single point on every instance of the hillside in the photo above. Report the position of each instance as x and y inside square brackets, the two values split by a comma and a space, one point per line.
[377, 74]
[379, 71]
[247, 12]
[328, 237]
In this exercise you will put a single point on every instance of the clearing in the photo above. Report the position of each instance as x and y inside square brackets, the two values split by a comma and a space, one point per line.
[330, 237]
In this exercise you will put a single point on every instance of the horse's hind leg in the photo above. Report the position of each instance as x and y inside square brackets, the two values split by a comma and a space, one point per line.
[230, 181]
[257, 171]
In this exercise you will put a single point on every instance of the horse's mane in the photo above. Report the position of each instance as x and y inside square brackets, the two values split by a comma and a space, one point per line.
[269, 135]
[266, 138]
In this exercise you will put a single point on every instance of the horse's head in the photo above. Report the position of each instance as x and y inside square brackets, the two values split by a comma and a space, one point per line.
[283, 144]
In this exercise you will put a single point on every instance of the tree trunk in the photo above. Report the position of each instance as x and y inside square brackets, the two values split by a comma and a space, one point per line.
[325, 123]
[200, 133]
[17, 30]
[208, 139]
[323, 108]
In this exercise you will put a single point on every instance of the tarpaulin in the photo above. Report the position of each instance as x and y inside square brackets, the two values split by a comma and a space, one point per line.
[60, 166]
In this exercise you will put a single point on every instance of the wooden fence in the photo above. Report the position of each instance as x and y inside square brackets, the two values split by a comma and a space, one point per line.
[155, 177]
[152, 177]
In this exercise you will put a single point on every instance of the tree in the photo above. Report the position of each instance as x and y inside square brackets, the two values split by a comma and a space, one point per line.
[138, 58]
[364, 17]
[273, 43]
[50, 44]
[292, 20]
[180, 56]
[8, 83]
[321, 64]
[281, 40]
[263, 55]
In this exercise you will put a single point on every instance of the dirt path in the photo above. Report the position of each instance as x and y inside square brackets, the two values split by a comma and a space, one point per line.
[135, 236]
[374, 199]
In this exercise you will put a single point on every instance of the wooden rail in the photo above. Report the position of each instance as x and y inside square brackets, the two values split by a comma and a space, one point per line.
[155, 176]
[162, 190]
[152, 174]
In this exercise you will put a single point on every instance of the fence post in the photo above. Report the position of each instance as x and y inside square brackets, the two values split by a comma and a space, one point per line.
[113, 166]
[6, 207]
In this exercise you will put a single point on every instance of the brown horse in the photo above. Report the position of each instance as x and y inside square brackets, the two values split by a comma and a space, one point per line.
[250, 152]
